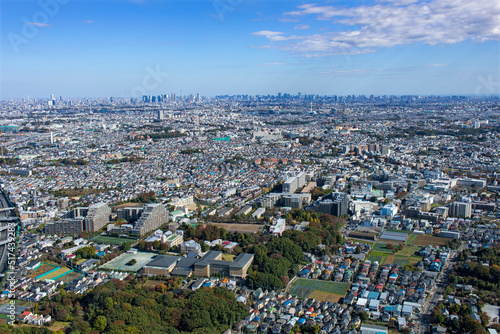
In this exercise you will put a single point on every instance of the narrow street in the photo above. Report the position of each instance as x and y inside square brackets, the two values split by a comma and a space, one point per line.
[436, 293]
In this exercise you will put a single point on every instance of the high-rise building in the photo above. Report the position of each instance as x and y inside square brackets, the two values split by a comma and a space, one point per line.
[153, 216]
[290, 185]
[81, 219]
[130, 214]
[335, 204]
[460, 210]
[384, 150]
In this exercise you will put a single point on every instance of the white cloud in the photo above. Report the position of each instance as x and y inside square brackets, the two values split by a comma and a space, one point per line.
[274, 36]
[285, 19]
[393, 22]
[301, 27]
[38, 24]
[89, 21]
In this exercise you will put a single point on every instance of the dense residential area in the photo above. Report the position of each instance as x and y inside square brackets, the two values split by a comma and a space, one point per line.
[250, 214]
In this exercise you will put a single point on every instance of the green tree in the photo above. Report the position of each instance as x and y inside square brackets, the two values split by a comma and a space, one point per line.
[126, 246]
[108, 303]
[363, 315]
[100, 323]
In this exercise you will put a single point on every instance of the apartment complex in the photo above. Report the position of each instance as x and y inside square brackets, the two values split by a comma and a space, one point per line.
[82, 219]
[335, 204]
[153, 216]
[460, 210]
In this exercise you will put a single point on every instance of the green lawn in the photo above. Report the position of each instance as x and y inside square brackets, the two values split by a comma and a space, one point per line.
[101, 239]
[304, 287]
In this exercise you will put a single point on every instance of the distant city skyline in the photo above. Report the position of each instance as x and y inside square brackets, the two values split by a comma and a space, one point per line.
[133, 48]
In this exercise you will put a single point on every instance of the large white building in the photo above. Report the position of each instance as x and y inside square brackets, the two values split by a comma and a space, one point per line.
[291, 185]
[278, 229]
[153, 216]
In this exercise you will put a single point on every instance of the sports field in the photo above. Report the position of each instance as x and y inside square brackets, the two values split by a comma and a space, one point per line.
[120, 263]
[102, 239]
[320, 290]
[42, 269]
[56, 274]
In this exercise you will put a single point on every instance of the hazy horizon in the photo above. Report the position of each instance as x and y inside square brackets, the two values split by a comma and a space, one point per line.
[222, 47]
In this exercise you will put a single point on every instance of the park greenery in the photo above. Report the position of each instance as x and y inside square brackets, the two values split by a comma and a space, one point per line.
[275, 262]
[480, 270]
[87, 252]
[323, 229]
[135, 306]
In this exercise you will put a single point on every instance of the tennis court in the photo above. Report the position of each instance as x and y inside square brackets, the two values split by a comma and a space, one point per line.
[120, 263]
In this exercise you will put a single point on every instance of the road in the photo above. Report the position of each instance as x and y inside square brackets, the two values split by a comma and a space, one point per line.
[423, 322]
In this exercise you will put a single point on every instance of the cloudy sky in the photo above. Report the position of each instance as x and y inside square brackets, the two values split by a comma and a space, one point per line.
[124, 48]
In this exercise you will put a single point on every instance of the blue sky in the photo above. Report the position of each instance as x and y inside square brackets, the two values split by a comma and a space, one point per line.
[109, 48]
